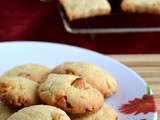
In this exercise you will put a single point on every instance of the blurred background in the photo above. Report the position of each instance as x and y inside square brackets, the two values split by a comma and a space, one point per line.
[41, 21]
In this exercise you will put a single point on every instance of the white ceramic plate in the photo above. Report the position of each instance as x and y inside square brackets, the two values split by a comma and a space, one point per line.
[131, 86]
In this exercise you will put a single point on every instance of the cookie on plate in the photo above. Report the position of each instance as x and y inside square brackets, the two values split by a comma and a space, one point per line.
[70, 93]
[93, 75]
[141, 6]
[76, 9]
[18, 91]
[34, 72]
[105, 113]
[39, 112]
[6, 111]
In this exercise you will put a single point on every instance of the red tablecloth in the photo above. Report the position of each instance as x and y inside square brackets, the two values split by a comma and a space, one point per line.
[37, 21]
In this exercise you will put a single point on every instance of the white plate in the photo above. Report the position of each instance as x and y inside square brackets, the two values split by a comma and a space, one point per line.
[51, 54]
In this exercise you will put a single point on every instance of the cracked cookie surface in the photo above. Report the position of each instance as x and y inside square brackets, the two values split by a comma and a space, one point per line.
[70, 93]
[18, 91]
[34, 72]
[39, 112]
[93, 75]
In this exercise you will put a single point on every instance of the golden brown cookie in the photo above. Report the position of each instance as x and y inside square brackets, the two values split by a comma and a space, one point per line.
[6, 111]
[141, 6]
[18, 91]
[76, 9]
[93, 75]
[105, 113]
[34, 72]
[39, 112]
[70, 93]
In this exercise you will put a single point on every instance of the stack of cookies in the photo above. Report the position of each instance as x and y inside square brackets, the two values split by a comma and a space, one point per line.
[70, 91]
[77, 9]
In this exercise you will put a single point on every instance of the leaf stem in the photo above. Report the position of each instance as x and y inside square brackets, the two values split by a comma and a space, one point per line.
[148, 91]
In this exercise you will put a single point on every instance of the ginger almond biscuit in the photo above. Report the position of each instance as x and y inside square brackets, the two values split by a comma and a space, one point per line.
[34, 72]
[93, 75]
[141, 6]
[70, 93]
[39, 112]
[76, 9]
[18, 92]
[105, 113]
[6, 111]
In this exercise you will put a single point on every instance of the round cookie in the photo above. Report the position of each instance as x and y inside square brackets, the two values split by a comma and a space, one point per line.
[18, 91]
[70, 93]
[5, 111]
[93, 75]
[34, 72]
[39, 112]
[105, 113]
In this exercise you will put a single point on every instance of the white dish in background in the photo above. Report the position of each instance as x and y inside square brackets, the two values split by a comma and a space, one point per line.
[131, 86]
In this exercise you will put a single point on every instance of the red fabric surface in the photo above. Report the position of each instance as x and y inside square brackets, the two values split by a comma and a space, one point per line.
[37, 21]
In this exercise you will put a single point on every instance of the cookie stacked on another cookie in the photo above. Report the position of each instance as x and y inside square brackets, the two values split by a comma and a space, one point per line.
[19, 86]
[70, 93]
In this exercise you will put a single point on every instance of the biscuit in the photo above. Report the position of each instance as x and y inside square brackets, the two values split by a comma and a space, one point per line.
[93, 75]
[39, 112]
[76, 9]
[5, 111]
[70, 93]
[141, 6]
[105, 113]
[34, 72]
[18, 91]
